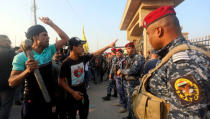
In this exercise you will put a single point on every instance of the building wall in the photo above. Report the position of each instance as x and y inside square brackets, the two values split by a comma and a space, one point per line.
[135, 31]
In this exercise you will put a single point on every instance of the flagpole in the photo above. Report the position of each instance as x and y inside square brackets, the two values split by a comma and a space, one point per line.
[35, 12]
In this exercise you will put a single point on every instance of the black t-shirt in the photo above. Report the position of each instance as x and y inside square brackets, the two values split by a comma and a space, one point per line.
[73, 70]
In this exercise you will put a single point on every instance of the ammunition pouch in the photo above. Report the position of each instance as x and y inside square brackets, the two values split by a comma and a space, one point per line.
[147, 106]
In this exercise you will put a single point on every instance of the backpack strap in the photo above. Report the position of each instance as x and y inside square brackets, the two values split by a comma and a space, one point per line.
[166, 58]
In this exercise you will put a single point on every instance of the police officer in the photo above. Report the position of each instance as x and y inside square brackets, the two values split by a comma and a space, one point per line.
[111, 83]
[119, 80]
[131, 71]
[183, 81]
[151, 63]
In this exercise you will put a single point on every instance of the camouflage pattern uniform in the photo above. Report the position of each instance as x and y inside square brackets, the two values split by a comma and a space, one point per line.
[133, 67]
[119, 82]
[183, 82]
[112, 83]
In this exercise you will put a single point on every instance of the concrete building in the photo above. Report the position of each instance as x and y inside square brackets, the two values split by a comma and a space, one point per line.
[134, 13]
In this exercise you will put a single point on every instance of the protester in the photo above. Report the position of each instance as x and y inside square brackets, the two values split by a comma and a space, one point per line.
[87, 75]
[6, 93]
[34, 106]
[19, 89]
[71, 79]
[96, 64]
[56, 64]
[108, 60]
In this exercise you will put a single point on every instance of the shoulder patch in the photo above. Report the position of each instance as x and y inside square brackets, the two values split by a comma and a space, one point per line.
[180, 56]
[186, 89]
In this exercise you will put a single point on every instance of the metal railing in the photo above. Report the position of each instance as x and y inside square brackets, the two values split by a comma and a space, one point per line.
[203, 42]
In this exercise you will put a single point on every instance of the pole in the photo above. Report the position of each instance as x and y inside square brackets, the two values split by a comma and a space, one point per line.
[35, 12]
[26, 46]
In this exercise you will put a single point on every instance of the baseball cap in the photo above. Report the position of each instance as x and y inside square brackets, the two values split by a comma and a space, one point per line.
[75, 41]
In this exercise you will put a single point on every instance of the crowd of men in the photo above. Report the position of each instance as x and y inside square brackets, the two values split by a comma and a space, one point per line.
[172, 82]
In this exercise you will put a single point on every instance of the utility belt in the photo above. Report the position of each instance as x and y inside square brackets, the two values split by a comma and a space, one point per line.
[147, 106]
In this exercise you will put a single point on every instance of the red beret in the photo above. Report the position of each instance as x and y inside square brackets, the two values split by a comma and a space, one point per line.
[131, 44]
[113, 50]
[119, 50]
[158, 14]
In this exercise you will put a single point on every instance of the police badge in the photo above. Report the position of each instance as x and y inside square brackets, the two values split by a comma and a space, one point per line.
[186, 89]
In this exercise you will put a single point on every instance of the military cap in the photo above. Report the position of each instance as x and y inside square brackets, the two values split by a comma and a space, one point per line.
[119, 50]
[113, 50]
[158, 14]
[131, 44]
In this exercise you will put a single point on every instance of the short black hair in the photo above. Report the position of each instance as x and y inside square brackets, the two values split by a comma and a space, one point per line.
[34, 30]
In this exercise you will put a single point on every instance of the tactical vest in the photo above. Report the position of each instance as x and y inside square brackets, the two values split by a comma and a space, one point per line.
[146, 105]
[129, 65]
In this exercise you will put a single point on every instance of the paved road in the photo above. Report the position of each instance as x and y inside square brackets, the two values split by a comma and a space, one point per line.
[99, 109]
[103, 109]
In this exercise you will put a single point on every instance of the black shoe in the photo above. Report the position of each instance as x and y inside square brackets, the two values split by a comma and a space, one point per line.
[106, 98]
[115, 95]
